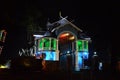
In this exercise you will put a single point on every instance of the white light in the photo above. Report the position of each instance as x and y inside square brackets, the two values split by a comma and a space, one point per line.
[71, 38]
[38, 36]
[95, 53]
[67, 34]
[100, 65]
[68, 51]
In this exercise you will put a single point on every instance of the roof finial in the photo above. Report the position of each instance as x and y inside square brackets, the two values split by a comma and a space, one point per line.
[60, 14]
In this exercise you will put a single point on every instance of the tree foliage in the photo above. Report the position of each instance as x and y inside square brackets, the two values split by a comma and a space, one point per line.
[32, 20]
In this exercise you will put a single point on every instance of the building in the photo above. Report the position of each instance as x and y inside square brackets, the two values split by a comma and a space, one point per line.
[63, 43]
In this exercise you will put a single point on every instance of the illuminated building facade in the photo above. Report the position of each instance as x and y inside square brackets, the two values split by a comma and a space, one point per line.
[63, 42]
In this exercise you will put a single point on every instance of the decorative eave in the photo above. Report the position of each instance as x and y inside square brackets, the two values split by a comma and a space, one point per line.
[74, 25]
[63, 22]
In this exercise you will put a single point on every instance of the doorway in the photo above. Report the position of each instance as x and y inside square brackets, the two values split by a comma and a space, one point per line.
[66, 42]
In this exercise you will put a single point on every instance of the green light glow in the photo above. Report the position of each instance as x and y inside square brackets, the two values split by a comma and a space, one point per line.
[85, 45]
[54, 44]
[79, 45]
[82, 45]
[46, 44]
[40, 44]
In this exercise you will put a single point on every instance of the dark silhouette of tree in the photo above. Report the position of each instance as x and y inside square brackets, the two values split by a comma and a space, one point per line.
[32, 19]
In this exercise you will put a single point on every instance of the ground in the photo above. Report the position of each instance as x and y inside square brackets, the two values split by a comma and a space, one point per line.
[59, 75]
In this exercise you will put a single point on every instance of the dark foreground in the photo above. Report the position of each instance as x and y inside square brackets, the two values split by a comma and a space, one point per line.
[58, 75]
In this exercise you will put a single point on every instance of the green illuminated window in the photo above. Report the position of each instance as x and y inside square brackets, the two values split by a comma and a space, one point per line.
[46, 43]
[53, 44]
[41, 44]
[85, 45]
[80, 45]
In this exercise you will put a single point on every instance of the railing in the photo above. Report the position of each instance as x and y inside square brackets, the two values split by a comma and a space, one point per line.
[26, 52]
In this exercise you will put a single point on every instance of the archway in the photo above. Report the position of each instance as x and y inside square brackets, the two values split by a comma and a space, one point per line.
[66, 47]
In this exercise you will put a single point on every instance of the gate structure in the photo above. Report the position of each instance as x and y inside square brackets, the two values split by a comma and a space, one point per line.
[65, 43]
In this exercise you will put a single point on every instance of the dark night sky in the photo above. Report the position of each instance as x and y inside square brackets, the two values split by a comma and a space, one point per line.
[94, 18]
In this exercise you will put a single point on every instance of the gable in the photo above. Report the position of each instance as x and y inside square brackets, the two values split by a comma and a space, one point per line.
[66, 27]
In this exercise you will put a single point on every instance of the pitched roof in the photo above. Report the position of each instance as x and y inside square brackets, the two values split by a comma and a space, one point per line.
[63, 22]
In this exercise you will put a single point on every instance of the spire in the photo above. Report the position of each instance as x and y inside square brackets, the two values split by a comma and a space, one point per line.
[60, 14]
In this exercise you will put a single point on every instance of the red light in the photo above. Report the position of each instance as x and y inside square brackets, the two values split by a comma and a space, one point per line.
[64, 35]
